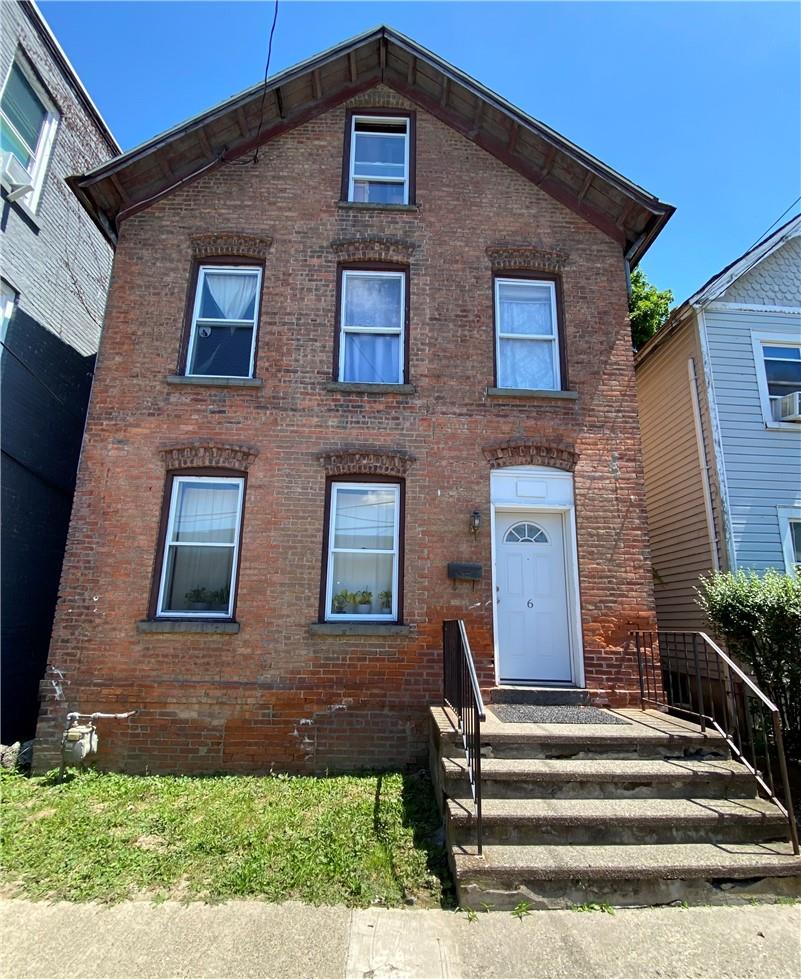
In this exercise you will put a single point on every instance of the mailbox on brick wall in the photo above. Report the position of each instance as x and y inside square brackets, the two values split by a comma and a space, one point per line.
[464, 571]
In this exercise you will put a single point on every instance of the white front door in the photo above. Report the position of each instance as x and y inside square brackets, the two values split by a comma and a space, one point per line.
[531, 598]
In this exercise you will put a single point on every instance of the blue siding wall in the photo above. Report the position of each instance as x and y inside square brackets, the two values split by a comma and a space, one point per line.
[763, 466]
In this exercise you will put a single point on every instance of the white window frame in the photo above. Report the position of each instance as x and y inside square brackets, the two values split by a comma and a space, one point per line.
[758, 341]
[552, 337]
[177, 482]
[41, 152]
[344, 329]
[197, 322]
[392, 615]
[378, 120]
[787, 516]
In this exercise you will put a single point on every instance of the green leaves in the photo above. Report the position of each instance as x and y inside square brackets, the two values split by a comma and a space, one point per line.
[759, 617]
[648, 308]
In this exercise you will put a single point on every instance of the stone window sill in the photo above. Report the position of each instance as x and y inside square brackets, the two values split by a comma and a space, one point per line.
[216, 382]
[365, 206]
[358, 629]
[357, 388]
[531, 393]
[187, 625]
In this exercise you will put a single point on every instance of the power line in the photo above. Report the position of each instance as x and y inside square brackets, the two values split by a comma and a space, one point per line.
[775, 222]
[266, 73]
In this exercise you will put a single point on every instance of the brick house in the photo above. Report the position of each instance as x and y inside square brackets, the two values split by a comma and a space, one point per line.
[366, 365]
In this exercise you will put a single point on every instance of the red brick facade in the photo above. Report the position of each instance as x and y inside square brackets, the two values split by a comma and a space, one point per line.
[274, 693]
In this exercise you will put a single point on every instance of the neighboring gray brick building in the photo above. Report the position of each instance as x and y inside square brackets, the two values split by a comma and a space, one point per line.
[55, 273]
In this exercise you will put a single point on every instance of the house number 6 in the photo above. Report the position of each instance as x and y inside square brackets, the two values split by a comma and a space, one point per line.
[530, 603]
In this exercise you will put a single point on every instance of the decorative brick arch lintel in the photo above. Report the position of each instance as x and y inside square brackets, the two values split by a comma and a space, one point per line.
[528, 257]
[209, 455]
[230, 243]
[374, 249]
[531, 452]
[367, 461]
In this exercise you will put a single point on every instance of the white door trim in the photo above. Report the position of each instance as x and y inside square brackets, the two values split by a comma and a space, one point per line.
[568, 514]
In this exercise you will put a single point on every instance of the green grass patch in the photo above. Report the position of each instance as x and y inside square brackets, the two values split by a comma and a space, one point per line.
[355, 840]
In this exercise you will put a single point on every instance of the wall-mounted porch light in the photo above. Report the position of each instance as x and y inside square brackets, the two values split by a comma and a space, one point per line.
[475, 522]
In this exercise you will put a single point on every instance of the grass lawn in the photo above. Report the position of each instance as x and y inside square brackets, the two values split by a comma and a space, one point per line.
[349, 839]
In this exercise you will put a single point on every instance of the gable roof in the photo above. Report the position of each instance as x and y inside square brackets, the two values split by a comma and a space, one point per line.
[720, 282]
[128, 183]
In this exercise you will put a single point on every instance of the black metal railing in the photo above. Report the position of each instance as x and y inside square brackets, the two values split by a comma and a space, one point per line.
[461, 693]
[687, 673]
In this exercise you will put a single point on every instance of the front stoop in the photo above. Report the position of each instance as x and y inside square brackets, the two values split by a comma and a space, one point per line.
[651, 812]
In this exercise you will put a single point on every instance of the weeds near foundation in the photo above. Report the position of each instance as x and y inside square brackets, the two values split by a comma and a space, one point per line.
[594, 906]
[472, 914]
[520, 910]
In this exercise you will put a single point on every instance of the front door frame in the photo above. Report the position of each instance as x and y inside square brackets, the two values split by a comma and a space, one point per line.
[567, 511]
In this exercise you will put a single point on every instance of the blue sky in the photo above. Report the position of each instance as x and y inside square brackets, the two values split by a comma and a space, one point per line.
[700, 103]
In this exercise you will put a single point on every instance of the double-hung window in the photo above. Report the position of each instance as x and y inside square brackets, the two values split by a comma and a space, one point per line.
[28, 122]
[778, 366]
[201, 548]
[372, 325]
[378, 169]
[222, 338]
[363, 552]
[527, 338]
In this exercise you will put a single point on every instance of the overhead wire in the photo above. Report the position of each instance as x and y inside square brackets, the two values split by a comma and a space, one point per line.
[785, 211]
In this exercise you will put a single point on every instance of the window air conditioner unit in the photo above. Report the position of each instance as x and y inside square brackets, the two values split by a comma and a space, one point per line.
[15, 177]
[788, 408]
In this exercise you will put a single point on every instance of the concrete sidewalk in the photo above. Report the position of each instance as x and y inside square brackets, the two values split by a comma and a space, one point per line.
[136, 940]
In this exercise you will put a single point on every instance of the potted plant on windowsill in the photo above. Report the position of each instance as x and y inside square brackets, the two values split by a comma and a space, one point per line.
[385, 597]
[340, 602]
[364, 601]
[199, 599]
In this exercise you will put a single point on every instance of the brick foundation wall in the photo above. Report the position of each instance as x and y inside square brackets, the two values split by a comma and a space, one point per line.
[275, 694]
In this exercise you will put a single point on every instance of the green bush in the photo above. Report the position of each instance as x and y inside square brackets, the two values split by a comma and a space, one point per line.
[759, 618]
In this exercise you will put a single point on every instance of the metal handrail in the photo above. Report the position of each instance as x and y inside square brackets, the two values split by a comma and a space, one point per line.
[462, 694]
[716, 692]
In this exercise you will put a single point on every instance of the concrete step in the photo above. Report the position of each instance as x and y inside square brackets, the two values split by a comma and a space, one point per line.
[625, 876]
[657, 736]
[601, 778]
[616, 821]
[539, 696]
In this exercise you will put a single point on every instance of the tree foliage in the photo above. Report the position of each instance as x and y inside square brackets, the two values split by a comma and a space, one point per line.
[648, 308]
[759, 617]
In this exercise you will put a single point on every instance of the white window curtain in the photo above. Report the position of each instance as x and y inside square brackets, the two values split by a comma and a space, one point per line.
[527, 351]
[526, 364]
[233, 294]
[372, 327]
[201, 549]
[371, 358]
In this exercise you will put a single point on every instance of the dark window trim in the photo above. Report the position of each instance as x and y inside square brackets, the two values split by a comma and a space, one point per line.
[240, 261]
[366, 479]
[373, 267]
[564, 384]
[161, 542]
[411, 115]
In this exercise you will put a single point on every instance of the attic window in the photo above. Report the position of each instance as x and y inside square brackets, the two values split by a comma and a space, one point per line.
[378, 169]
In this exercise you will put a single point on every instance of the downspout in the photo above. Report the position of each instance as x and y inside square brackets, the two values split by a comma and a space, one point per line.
[703, 463]
[717, 441]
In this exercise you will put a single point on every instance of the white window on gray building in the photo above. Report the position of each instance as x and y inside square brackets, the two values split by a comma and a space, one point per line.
[28, 120]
